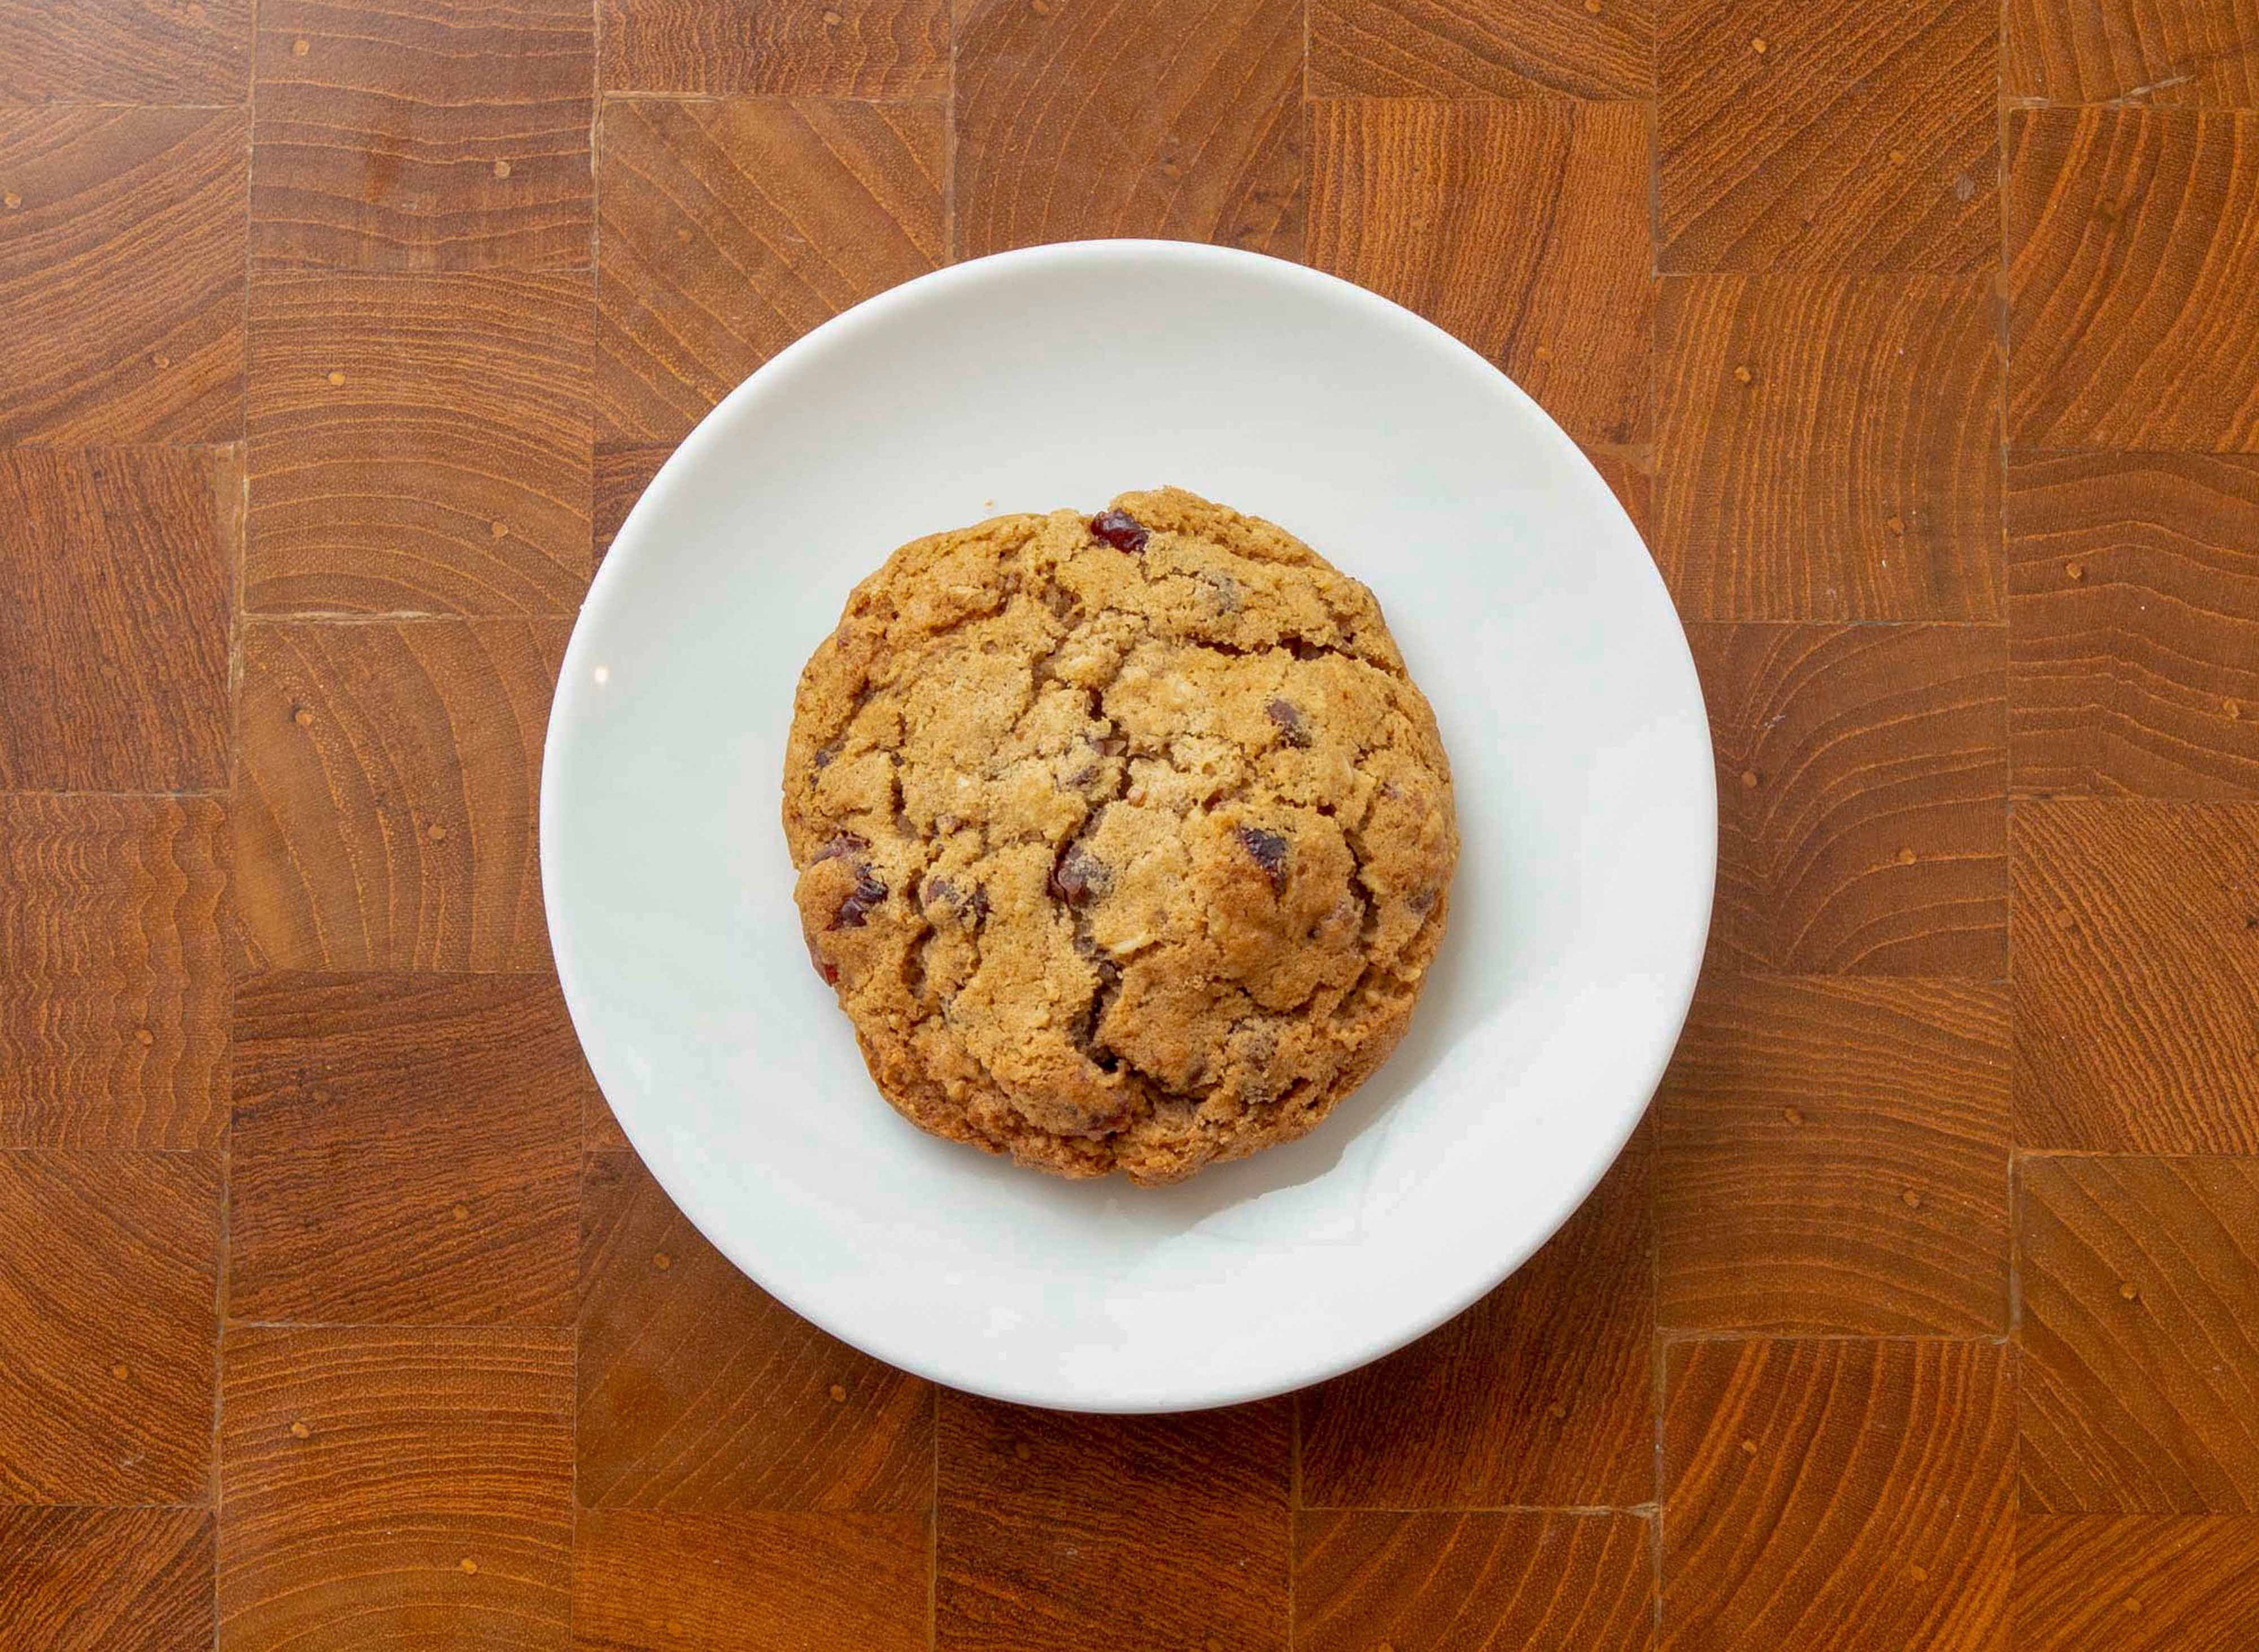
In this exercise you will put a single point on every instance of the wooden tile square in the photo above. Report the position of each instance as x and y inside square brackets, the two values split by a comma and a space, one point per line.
[1541, 1393]
[1481, 48]
[99, 54]
[386, 776]
[1828, 447]
[1429, 204]
[701, 1393]
[2139, 1378]
[113, 996]
[2132, 239]
[115, 566]
[1837, 1496]
[751, 1582]
[108, 1273]
[2134, 1582]
[2133, 624]
[406, 1150]
[2137, 976]
[1862, 775]
[394, 1486]
[622, 476]
[1178, 119]
[1060, 1530]
[106, 1579]
[419, 444]
[121, 256]
[730, 229]
[807, 48]
[424, 134]
[1852, 139]
[1440, 1583]
[1832, 1156]
[2181, 52]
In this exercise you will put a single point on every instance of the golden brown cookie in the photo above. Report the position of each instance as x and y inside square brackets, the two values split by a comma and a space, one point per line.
[1125, 840]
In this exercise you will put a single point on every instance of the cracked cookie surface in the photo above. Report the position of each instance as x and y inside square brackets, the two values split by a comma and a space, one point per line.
[1125, 840]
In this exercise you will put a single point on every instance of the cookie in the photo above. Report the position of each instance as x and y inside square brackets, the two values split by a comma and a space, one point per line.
[1125, 840]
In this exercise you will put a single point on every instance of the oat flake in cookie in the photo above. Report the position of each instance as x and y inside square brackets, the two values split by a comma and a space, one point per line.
[1124, 839]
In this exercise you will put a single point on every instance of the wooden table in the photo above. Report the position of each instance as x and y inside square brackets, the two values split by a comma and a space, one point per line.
[1924, 1314]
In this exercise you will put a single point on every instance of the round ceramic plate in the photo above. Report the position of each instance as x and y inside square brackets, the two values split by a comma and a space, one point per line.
[1529, 612]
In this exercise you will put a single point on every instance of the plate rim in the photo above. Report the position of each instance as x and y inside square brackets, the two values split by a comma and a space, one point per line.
[610, 578]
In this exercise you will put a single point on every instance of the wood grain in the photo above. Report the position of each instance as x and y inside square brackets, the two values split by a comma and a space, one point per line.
[2134, 625]
[2137, 976]
[751, 1582]
[1430, 204]
[2134, 1582]
[424, 134]
[121, 274]
[387, 774]
[701, 1393]
[118, 53]
[116, 566]
[1862, 774]
[108, 1282]
[1140, 1533]
[1837, 1496]
[1540, 1394]
[730, 229]
[419, 444]
[2132, 257]
[1827, 448]
[1481, 48]
[1832, 1156]
[1857, 140]
[406, 1150]
[805, 48]
[113, 991]
[396, 1487]
[622, 474]
[2151, 52]
[1473, 1583]
[106, 1579]
[2139, 1384]
[1178, 119]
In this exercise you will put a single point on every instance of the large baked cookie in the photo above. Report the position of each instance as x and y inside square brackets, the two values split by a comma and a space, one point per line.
[1125, 839]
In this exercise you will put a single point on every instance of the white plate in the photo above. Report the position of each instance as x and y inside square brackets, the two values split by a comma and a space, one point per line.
[1530, 614]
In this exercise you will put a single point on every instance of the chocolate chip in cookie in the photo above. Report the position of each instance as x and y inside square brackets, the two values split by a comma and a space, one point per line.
[1293, 728]
[856, 910]
[840, 844]
[1079, 878]
[1268, 850]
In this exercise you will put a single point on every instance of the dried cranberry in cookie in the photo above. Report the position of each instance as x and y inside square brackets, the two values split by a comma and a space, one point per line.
[1120, 529]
